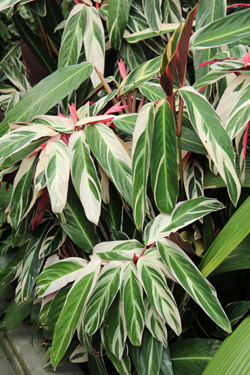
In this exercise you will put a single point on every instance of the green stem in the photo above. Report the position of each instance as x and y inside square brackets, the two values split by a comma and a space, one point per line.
[134, 101]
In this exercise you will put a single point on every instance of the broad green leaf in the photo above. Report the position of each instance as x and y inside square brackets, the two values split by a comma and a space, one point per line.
[126, 122]
[166, 364]
[55, 238]
[231, 235]
[233, 355]
[193, 175]
[152, 91]
[236, 310]
[225, 30]
[164, 167]
[156, 325]
[153, 14]
[102, 296]
[190, 278]
[59, 124]
[118, 250]
[71, 313]
[115, 330]
[147, 33]
[118, 13]
[84, 177]
[214, 138]
[141, 151]
[94, 43]
[75, 223]
[113, 158]
[59, 274]
[57, 170]
[140, 75]
[47, 93]
[5, 196]
[16, 73]
[14, 146]
[191, 356]
[132, 54]
[185, 213]
[15, 314]
[151, 351]
[72, 37]
[132, 300]
[160, 297]
[21, 190]
[13, 268]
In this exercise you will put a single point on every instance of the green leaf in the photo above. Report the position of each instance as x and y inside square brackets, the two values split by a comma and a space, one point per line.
[13, 267]
[118, 13]
[233, 354]
[72, 37]
[132, 54]
[59, 124]
[21, 190]
[151, 351]
[102, 296]
[16, 73]
[75, 223]
[225, 30]
[156, 325]
[160, 297]
[152, 91]
[153, 14]
[193, 175]
[231, 235]
[71, 314]
[112, 156]
[164, 167]
[132, 299]
[166, 364]
[15, 314]
[47, 93]
[115, 330]
[84, 177]
[148, 33]
[211, 77]
[191, 356]
[208, 126]
[141, 151]
[185, 213]
[126, 122]
[118, 250]
[190, 278]
[54, 239]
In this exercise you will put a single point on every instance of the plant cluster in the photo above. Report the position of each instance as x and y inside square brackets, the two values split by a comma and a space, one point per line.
[125, 183]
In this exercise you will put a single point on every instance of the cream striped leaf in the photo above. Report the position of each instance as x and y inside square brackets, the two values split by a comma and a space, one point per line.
[57, 169]
[156, 325]
[240, 114]
[17, 74]
[72, 37]
[172, 11]
[118, 250]
[113, 158]
[118, 13]
[126, 122]
[115, 329]
[153, 14]
[40, 177]
[59, 124]
[151, 351]
[185, 213]
[141, 151]
[94, 43]
[19, 140]
[147, 33]
[240, 151]
[132, 299]
[193, 175]
[21, 190]
[153, 91]
[208, 126]
[59, 274]
[190, 278]
[102, 297]
[164, 167]
[160, 297]
[55, 238]
[84, 176]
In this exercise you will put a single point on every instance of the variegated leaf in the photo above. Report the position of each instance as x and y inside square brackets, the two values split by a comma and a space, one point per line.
[132, 54]
[113, 158]
[156, 325]
[193, 175]
[208, 126]
[94, 43]
[118, 250]
[79, 355]
[160, 297]
[153, 14]
[18, 140]
[59, 274]
[115, 329]
[151, 351]
[152, 91]
[57, 170]
[141, 151]
[126, 122]
[59, 124]
[13, 268]
[132, 299]
[100, 104]
[40, 177]
[21, 190]
[240, 113]
[16, 73]
[102, 296]
[240, 151]
[72, 37]
[164, 167]
[185, 213]
[54, 239]
[190, 278]
[147, 33]
[72, 311]
[171, 11]
[118, 13]
[84, 176]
